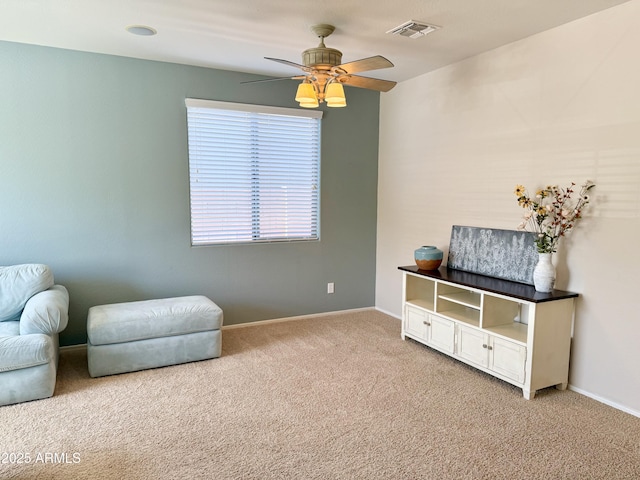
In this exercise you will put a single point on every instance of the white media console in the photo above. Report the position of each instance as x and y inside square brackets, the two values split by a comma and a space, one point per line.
[501, 327]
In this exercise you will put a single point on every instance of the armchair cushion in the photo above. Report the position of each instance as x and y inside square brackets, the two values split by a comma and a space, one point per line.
[9, 329]
[18, 283]
[25, 351]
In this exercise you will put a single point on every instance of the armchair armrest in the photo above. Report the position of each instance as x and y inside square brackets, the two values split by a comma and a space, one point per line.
[46, 312]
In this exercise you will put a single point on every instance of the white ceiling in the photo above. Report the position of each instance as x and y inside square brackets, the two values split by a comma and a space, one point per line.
[238, 34]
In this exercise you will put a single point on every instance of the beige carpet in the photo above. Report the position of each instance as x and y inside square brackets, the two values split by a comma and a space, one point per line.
[333, 397]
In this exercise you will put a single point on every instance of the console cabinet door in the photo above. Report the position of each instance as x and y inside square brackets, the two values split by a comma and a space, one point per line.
[508, 359]
[442, 334]
[472, 345]
[415, 323]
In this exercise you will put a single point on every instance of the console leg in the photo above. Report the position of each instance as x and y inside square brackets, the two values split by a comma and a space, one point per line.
[561, 386]
[528, 394]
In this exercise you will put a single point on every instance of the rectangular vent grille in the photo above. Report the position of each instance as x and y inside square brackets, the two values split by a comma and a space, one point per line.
[413, 29]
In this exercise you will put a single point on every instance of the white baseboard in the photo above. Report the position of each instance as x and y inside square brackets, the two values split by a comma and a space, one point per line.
[83, 346]
[381, 310]
[606, 401]
[297, 317]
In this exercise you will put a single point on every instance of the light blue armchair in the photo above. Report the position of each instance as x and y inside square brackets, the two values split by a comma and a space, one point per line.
[33, 311]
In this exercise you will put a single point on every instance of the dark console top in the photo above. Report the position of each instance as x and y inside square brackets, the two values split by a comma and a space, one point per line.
[490, 284]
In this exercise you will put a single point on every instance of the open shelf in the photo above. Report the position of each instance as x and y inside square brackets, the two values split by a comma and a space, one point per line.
[498, 311]
[470, 316]
[421, 303]
[512, 331]
[420, 292]
[468, 299]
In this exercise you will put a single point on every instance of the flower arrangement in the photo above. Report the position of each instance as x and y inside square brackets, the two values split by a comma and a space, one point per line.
[552, 213]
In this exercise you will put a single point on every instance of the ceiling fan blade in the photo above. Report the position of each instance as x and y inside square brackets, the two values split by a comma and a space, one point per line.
[365, 64]
[287, 62]
[298, 77]
[370, 83]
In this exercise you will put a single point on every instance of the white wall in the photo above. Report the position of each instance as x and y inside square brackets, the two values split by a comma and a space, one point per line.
[560, 106]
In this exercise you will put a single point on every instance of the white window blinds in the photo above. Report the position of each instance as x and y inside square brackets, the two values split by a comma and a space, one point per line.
[254, 173]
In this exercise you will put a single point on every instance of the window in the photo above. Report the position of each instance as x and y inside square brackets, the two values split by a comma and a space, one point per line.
[254, 173]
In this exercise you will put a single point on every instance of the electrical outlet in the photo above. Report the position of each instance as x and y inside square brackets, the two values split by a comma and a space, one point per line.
[330, 287]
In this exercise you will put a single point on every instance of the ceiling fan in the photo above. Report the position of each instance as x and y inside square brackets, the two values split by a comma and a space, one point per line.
[324, 74]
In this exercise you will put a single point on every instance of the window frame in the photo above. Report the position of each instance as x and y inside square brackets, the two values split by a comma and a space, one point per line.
[256, 112]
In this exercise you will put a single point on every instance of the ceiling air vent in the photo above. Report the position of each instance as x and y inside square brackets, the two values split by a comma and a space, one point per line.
[413, 29]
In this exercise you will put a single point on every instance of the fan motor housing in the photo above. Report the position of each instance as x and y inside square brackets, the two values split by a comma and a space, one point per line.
[314, 57]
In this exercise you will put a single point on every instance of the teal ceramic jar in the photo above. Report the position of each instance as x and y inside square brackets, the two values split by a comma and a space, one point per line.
[428, 257]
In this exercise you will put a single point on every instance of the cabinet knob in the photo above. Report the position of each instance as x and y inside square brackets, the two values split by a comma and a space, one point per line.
[426, 323]
[490, 347]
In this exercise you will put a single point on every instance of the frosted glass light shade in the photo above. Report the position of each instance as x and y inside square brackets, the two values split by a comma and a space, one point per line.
[334, 95]
[306, 93]
[337, 103]
[334, 91]
[309, 104]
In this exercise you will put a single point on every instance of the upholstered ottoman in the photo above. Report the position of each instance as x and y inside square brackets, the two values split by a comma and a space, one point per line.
[125, 337]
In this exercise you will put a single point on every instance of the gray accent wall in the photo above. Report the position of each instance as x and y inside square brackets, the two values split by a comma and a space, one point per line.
[94, 182]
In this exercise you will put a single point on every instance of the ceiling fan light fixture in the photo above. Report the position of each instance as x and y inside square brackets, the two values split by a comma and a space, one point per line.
[306, 93]
[309, 104]
[334, 91]
[337, 103]
[334, 95]
[324, 73]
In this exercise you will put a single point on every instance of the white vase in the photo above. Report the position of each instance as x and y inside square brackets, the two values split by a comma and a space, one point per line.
[544, 274]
